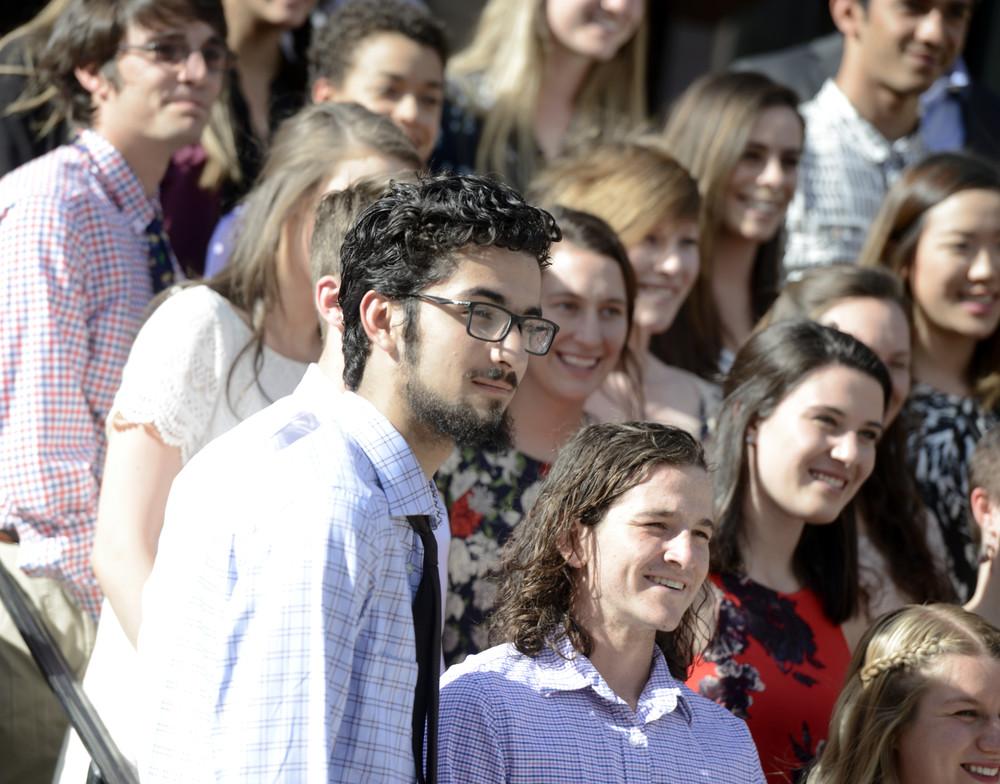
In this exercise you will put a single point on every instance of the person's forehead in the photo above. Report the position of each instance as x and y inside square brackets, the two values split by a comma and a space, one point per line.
[514, 276]
[193, 30]
[381, 50]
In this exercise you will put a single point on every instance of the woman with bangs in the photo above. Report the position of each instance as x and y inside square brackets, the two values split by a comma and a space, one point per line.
[652, 203]
[802, 416]
[939, 231]
[740, 135]
[209, 356]
[589, 292]
[538, 74]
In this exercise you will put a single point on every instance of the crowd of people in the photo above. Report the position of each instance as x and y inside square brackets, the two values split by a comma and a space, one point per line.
[372, 414]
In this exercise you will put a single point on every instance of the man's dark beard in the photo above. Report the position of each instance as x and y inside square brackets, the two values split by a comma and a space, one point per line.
[459, 422]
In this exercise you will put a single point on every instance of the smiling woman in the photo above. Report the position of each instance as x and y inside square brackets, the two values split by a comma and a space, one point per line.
[920, 703]
[589, 292]
[797, 434]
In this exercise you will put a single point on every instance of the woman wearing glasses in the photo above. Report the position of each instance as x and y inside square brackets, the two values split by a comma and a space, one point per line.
[589, 292]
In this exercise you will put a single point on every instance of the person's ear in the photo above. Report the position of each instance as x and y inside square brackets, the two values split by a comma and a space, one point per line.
[323, 91]
[93, 81]
[847, 15]
[327, 301]
[377, 313]
[571, 545]
[987, 516]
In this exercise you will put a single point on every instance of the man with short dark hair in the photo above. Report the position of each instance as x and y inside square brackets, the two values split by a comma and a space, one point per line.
[299, 639]
[83, 252]
[863, 127]
[389, 57]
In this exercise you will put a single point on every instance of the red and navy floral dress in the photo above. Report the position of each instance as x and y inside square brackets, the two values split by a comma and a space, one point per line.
[778, 663]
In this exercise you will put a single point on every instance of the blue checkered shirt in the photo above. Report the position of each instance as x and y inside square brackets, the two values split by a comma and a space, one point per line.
[506, 717]
[277, 637]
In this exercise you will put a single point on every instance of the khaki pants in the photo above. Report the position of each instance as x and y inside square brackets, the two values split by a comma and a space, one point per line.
[32, 721]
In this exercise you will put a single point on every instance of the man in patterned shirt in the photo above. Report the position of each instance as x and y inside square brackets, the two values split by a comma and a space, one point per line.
[863, 127]
[83, 252]
[597, 614]
[283, 644]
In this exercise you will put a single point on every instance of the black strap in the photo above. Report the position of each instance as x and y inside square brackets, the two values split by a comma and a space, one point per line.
[82, 715]
[427, 630]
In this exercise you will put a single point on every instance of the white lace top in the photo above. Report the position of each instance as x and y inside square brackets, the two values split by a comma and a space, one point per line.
[175, 379]
[177, 372]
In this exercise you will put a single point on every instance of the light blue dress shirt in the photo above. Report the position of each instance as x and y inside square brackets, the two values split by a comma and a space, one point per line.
[277, 637]
[507, 717]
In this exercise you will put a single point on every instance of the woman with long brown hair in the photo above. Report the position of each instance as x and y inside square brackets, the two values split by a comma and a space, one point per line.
[939, 231]
[740, 135]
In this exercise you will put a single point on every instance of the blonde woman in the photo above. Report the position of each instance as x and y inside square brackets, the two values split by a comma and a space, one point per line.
[212, 355]
[740, 135]
[652, 203]
[921, 703]
[538, 72]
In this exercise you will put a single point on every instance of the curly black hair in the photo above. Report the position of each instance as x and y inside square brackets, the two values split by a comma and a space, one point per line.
[405, 241]
[331, 53]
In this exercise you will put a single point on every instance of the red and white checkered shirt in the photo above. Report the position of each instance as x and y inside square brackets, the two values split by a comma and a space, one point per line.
[74, 282]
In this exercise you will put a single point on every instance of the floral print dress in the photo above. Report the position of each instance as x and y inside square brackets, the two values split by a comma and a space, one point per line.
[487, 494]
[942, 434]
[778, 663]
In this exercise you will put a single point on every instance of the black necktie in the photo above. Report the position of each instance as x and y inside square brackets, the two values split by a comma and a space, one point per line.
[161, 269]
[427, 630]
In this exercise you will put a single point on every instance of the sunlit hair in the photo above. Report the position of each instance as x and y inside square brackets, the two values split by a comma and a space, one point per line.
[538, 588]
[89, 32]
[508, 53]
[889, 502]
[895, 232]
[769, 366]
[707, 131]
[635, 186]
[28, 41]
[305, 153]
[889, 674]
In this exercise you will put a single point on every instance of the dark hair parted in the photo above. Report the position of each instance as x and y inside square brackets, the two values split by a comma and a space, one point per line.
[767, 368]
[537, 587]
[895, 232]
[889, 502]
[707, 132]
[407, 240]
[331, 53]
[89, 32]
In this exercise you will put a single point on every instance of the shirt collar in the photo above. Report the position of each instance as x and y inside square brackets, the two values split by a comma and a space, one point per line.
[866, 138]
[407, 490]
[117, 179]
[562, 668]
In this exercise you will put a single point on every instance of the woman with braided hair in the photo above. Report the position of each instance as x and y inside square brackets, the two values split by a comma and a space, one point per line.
[921, 703]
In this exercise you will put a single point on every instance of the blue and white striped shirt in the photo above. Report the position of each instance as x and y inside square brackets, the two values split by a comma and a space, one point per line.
[277, 637]
[507, 717]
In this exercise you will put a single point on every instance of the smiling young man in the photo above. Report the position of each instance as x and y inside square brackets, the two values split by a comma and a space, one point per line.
[596, 612]
[863, 127]
[83, 250]
[298, 638]
[389, 57]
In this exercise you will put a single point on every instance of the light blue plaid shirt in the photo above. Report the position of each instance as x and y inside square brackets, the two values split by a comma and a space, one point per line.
[277, 636]
[506, 717]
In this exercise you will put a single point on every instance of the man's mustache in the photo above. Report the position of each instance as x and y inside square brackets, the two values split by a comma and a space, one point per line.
[496, 374]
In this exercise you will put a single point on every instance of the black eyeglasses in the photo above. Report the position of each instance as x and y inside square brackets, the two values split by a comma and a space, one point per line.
[492, 323]
[177, 51]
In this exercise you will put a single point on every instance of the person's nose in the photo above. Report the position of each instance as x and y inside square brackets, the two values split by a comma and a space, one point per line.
[773, 173]
[510, 349]
[989, 739]
[845, 449]
[679, 550]
[406, 110]
[986, 264]
[194, 68]
[931, 28]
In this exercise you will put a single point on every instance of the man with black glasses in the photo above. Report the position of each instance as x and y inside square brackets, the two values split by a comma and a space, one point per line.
[291, 625]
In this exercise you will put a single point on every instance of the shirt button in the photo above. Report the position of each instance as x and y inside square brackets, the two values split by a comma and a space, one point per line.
[636, 737]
